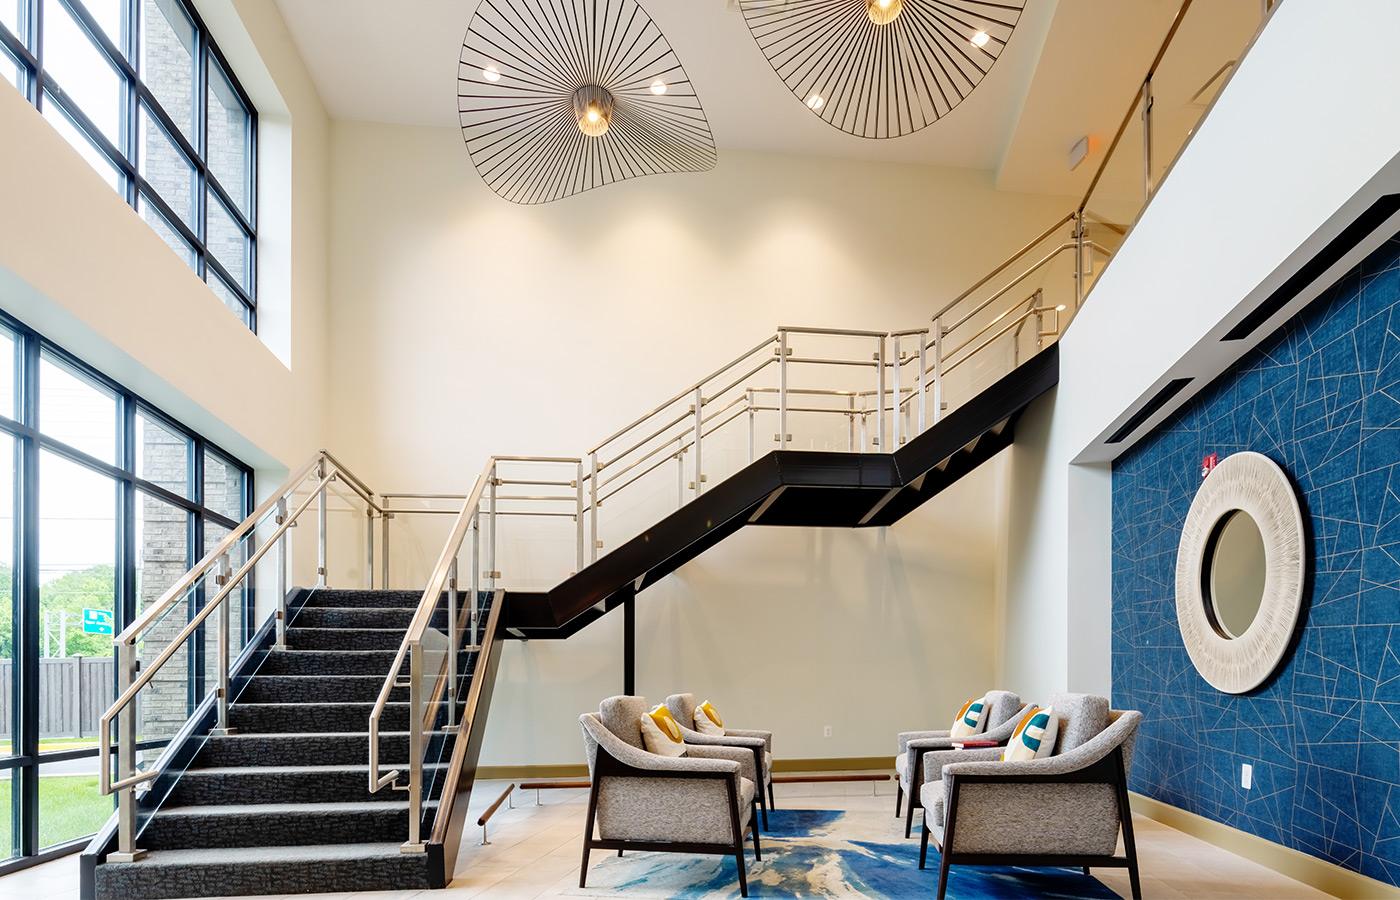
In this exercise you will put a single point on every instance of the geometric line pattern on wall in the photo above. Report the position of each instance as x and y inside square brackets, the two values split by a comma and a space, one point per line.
[556, 97]
[1321, 397]
[881, 68]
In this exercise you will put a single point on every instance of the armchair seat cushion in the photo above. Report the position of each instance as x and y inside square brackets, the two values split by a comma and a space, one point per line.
[1078, 819]
[657, 809]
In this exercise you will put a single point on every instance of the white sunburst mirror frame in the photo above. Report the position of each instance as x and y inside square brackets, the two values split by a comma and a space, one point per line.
[1254, 484]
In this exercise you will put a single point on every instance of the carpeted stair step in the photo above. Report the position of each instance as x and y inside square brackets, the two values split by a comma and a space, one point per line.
[281, 718]
[326, 749]
[322, 662]
[280, 784]
[369, 599]
[265, 870]
[361, 617]
[278, 824]
[318, 689]
[345, 638]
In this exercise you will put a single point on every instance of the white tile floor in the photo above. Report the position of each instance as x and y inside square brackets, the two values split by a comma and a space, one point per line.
[534, 853]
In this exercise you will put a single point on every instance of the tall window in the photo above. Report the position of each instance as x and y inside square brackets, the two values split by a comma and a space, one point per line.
[146, 97]
[104, 504]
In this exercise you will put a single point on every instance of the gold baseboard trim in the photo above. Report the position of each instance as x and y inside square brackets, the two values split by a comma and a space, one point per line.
[856, 763]
[1295, 864]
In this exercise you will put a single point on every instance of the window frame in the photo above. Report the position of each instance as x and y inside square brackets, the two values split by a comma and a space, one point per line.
[41, 89]
[25, 430]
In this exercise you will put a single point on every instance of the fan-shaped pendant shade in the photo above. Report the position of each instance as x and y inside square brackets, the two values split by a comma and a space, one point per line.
[560, 96]
[881, 68]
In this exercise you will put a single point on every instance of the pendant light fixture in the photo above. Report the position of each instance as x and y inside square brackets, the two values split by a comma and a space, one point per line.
[557, 97]
[881, 68]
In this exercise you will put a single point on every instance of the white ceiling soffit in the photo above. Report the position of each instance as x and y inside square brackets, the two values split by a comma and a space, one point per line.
[1068, 71]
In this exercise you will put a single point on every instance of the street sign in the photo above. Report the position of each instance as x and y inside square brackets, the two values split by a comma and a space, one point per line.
[97, 621]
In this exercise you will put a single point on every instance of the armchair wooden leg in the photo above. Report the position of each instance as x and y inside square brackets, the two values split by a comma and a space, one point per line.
[588, 832]
[909, 814]
[757, 851]
[923, 846]
[1125, 819]
[898, 798]
[619, 853]
[1086, 870]
[772, 804]
[738, 833]
[764, 807]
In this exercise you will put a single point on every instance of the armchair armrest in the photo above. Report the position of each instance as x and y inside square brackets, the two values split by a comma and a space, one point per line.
[746, 734]
[1120, 733]
[752, 746]
[743, 756]
[662, 766]
[906, 736]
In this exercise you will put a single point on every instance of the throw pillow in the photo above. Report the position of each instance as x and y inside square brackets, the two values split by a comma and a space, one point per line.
[1034, 737]
[661, 733]
[707, 720]
[970, 719]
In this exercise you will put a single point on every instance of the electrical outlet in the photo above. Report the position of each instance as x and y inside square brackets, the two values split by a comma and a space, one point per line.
[826, 731]
[1246, 776]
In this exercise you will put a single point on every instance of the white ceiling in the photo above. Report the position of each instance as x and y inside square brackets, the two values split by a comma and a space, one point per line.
[1069, 70]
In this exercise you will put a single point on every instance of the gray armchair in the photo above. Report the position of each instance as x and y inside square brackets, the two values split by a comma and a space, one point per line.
[1003, 711]
[697, 803]
[1063, 810]
[759, 743]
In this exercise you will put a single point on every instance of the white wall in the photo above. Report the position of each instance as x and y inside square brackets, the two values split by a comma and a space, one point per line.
[467, 326]
[1298, 143]
[81, 267]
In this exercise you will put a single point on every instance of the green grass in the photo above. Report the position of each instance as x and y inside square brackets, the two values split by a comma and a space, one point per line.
[69, 807]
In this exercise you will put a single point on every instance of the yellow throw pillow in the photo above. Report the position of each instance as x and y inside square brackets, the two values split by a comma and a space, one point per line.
[970, 719]
[707, 720]
[661, 733]
[1034, 737]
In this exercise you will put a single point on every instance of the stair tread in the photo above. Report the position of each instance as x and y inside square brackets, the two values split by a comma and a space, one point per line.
[263, 855]
[277, 770]
[282, 808]
[262, 735]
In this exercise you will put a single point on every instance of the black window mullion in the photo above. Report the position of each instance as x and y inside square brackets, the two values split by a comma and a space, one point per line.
[27, 635]
[201, 132]
[131, 42]
[227, 200]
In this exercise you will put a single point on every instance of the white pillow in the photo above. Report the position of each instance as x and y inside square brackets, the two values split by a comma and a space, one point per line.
[970, 720]
[707, 720]
[1034, 737]
[661, 733]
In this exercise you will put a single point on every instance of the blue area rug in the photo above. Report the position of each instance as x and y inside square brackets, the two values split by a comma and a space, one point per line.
[818, 853]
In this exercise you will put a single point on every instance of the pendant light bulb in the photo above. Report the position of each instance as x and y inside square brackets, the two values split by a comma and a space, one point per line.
[883, 12]
[593, 108]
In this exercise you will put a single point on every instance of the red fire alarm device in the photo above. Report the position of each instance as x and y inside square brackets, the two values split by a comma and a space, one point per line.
[1209, 463]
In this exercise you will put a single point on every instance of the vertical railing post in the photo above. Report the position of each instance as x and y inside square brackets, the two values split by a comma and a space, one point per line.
[898, 409]
[126, 759]
[593, 502]
[1079, 268]
[321, 525]
[880, 395]
[415, 747]
[782, 389]
[699, 426]
[384, 561]
[923, 380]
[578, 513]
[851, 423]
[937, 369]
[281, 614]
[369, 548]
[752, 424]
[492, 574]
[221, 579]
[476, 574]
[452, 644]
[1147, 140]
[680, 475]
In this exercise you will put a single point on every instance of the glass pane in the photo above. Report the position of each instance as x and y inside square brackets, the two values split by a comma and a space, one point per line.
[83, 71]
[162, 547]
[167, 60]
[9, 69]
[9, 17]
[95, 158]
[223, 486]
[162, 455]
[229, 297]
[7, 611]
[77, 600]
[167, 232]
[230, 137]
[167, 168]
[226, 240]
[7, 374]
[69, 805]
[173, 691]
[108, 14]
[76, 411]
[237, 614]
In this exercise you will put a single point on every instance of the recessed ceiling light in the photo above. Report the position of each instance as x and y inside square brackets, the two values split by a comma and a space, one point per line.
[491, 73]
[815, 102]
[980, 39]
[658, 87]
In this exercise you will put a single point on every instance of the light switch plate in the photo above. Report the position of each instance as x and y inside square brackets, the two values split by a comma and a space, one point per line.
[1246, 776]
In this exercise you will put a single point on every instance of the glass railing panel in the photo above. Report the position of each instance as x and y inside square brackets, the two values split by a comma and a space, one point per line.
[439, 744]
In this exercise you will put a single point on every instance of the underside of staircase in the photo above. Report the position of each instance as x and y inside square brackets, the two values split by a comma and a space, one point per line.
[282, 805]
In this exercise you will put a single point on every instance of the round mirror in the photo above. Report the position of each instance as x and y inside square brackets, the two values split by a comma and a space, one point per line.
[1235, 573]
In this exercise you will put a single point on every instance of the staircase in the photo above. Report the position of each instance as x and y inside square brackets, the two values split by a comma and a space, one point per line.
[282, 805]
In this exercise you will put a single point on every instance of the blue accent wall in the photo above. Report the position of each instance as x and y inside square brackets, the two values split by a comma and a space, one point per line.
[1321, 397]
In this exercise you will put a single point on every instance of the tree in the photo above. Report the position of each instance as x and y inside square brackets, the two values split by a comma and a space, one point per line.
[92, 588]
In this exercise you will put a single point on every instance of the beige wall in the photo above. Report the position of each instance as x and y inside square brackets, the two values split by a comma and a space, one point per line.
[467, 326]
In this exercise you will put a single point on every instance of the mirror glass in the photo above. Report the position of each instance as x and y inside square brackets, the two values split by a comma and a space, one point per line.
[1236, 573]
